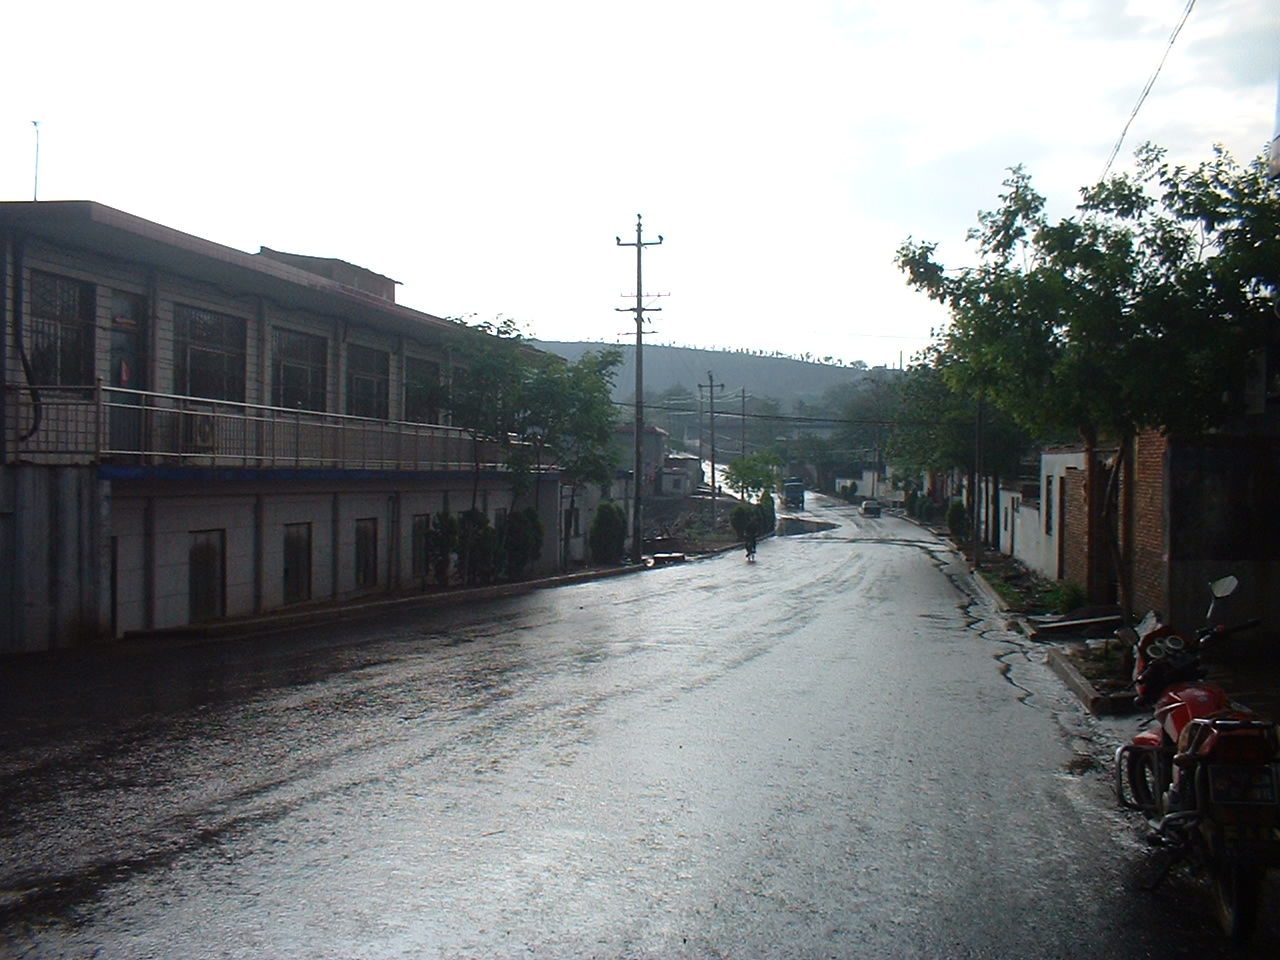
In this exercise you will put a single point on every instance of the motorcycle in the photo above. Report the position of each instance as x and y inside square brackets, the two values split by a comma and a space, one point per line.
[1206, 772]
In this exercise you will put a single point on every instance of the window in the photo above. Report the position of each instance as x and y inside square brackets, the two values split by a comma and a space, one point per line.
[1048, 503]
[421, 390]
[367, 552]
[297, 562]
[299, 370]
[62, 329]
[206, 575]
[209, 354]
[368, 382]
[421, 535]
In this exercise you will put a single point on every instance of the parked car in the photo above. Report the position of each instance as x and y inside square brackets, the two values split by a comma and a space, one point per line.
[870, 508]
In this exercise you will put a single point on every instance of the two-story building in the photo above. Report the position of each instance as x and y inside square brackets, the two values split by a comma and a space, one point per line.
[193, 433]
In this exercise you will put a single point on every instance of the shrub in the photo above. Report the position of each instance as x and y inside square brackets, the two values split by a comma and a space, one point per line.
[768, 516]
[441, 544]
[523, 534]
[608, 535]
[958, 520]
[1066, 596]
[480, 552]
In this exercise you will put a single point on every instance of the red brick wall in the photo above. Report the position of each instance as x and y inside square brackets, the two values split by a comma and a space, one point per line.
[1074, 524]
[1148, 546]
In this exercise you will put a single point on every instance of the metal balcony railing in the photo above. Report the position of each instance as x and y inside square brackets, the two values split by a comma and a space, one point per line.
[80, 425]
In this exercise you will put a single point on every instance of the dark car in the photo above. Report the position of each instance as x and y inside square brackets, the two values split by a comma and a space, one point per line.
[870, 508]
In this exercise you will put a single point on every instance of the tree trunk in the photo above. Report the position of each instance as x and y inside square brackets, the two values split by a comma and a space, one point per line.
[567, 522]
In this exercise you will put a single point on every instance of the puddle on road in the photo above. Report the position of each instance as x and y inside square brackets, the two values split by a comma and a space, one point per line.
[794, 526]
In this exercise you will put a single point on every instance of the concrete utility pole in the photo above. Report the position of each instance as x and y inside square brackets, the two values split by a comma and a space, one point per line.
[637, 537]
[712, 387]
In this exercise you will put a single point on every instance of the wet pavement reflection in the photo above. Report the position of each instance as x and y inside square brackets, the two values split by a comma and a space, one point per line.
[834, 751]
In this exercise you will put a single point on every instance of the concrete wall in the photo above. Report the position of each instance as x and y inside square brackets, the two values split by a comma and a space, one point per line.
[56, 562]
[1034, 526]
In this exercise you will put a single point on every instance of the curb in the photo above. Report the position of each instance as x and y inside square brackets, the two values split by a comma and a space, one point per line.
[1099, 704]
[256, 626]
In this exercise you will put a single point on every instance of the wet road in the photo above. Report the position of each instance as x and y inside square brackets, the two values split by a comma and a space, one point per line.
[832, 752]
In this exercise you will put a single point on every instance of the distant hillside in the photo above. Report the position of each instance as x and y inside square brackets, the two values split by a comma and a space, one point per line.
[781, 378]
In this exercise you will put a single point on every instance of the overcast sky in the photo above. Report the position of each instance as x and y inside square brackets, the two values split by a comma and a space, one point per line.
[486, 154]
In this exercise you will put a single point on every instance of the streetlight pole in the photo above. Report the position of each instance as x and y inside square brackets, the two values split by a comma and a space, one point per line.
[637, 539]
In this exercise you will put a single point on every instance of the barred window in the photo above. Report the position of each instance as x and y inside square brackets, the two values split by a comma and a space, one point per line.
[368, 382]
[300, 366]
[209, 353]
[62, 330]
[422, 390]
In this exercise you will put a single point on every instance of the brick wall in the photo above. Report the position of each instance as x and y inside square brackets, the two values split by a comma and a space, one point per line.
[1075, 524]
[1148, 548]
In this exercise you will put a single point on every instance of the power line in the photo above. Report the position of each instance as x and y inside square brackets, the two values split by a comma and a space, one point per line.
[1147, 89]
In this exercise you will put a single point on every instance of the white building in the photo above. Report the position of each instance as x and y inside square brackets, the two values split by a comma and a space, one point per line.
[193, 433]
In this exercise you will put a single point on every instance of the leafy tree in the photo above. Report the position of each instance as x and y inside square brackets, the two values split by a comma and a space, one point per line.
[569, 413]
[867, 411]
[1140, 311]
[753, 474]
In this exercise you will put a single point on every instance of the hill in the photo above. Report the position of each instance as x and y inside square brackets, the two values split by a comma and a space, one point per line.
[792, 382]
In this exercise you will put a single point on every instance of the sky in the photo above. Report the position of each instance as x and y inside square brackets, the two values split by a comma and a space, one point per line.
[487, 155]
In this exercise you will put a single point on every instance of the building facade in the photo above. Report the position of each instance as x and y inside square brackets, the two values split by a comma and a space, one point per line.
[193, 433]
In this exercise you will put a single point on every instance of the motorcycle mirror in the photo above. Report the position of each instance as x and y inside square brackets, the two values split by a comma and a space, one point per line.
[1224, 587]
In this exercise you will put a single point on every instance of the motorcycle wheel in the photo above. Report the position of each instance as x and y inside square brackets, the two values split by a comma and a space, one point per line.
[1236, 888]
[1147, 781]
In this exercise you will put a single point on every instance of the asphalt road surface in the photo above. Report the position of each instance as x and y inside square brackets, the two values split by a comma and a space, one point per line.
[835, 751]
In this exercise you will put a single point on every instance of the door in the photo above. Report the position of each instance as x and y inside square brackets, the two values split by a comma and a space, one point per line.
[128, 322]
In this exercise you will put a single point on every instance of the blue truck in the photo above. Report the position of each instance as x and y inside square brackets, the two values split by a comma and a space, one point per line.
[793, 492]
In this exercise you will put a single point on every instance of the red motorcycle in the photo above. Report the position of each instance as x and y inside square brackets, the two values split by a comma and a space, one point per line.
[1206, 772]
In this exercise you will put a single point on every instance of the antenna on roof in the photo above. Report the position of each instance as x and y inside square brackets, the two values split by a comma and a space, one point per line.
[35, 187]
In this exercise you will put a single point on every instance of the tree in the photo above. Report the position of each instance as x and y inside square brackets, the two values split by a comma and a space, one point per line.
[608, 535]
[1138, 312]
[570, 415]
[487, 392]
[753, 474]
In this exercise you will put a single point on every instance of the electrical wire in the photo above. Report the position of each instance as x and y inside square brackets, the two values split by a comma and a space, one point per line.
[1147, 89]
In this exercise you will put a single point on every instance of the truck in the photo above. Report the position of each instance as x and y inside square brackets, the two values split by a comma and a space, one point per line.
[793, 492]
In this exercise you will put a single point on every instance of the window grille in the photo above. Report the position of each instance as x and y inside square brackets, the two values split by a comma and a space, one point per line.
[62, 330]
[368, 382]
[209, 353]
[300, 370]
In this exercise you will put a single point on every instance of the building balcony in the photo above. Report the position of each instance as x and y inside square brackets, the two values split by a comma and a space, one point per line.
[108, 425]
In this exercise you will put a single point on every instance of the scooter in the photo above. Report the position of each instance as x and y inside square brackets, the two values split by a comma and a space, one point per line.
[1206, 772]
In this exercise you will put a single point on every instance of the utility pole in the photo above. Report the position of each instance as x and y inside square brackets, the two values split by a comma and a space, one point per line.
[712, 387]
[637, 539]
[743, 449]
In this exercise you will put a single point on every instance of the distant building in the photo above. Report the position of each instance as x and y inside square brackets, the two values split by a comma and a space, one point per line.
[193, 433]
